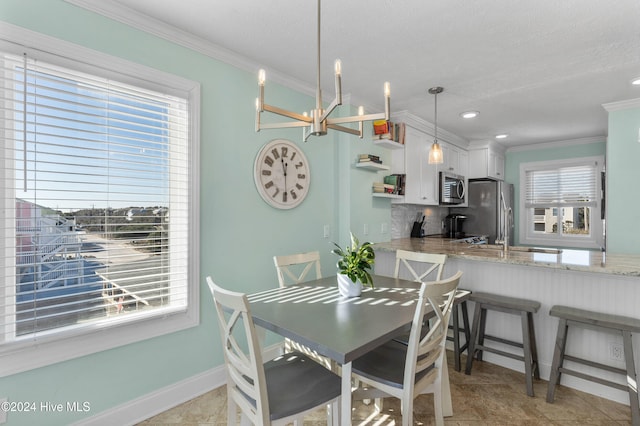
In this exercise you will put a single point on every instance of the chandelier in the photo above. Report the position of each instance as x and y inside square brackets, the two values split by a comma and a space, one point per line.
[317, 121]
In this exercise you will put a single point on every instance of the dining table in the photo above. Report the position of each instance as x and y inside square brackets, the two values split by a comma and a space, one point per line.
[316, 315]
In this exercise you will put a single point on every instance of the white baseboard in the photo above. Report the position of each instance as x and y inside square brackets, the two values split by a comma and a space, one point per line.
[160, 400]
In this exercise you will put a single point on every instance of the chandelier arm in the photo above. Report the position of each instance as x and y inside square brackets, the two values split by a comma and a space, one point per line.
[329, 109]
[356, 118]
[282, 125]
[356, 132]
[306, 132]
[285, 113]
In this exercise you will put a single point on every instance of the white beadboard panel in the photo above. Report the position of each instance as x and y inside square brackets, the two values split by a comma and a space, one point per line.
[605, 293]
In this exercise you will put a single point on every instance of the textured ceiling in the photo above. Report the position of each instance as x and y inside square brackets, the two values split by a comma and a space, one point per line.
[537, 70]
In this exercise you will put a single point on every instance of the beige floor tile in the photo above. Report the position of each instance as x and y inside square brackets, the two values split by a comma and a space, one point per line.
[491, 395]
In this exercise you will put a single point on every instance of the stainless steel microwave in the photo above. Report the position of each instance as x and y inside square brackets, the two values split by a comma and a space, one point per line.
[452, 188]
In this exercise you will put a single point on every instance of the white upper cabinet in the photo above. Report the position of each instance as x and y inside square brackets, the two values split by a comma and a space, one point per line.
[421, 180]
[421, 177]
[486, 161]
[456, 160]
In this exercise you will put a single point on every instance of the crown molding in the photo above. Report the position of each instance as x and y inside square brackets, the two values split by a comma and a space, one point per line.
[182, 38]
[427, 127]
[621, 105]
[557, 144]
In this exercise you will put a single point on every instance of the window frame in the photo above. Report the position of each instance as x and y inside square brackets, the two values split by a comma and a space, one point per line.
[24, 355]
[526, 219]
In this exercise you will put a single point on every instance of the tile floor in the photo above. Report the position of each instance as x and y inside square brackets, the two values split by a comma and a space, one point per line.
[491, 395]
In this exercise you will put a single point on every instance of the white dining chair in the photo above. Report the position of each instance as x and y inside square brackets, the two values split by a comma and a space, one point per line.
[273, 393]
[406, 371]
[433, 265]
[295, 269]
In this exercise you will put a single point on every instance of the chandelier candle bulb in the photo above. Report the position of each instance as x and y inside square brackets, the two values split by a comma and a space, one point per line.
[387, 100]
[260, 100]
[338, 70]
[257, 114]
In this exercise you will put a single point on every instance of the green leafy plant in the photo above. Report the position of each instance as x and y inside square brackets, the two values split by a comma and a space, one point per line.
[356, 260]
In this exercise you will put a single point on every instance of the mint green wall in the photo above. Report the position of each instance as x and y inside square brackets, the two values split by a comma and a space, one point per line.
[513, 159]
[623, 178]
[239, 232]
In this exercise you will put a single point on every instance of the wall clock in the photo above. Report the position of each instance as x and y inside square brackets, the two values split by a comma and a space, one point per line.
[281, 174]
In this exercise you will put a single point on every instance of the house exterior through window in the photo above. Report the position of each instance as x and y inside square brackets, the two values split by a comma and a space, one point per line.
[99, 192]
[561, 203]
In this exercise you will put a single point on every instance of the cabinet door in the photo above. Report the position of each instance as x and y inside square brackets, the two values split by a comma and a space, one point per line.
[463, 163]
[496, 165]
[421, 183]
[455, 160]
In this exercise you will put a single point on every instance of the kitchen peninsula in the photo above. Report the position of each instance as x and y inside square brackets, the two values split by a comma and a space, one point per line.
[574, 260]
[608, 283]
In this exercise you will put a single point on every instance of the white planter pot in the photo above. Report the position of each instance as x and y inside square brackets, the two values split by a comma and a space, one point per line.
[347, 287]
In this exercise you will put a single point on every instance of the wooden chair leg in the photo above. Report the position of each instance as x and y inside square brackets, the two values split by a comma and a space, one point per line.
[456, 337]
[534, 347]
[558, 358]
[632, 378]
[526, 346]
[483, 325]
[465, 323]
[473, 338]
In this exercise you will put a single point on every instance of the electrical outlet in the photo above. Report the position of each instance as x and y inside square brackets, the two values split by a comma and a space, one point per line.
[365, 231]
[326, 231]
[384, 228]
[616, 351]
[3, 412]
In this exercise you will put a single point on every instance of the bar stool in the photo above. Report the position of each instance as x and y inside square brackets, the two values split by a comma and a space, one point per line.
[511, 305]
[614, 324]
[460, 305]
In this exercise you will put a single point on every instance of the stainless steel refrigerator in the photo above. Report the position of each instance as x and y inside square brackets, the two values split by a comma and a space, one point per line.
[486, 212]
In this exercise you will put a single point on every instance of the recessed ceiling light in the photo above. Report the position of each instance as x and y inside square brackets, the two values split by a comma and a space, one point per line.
[501, 136]
[636, 81]
[469, 114]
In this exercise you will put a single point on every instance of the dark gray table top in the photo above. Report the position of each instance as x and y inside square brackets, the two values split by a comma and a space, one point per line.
[316, 315]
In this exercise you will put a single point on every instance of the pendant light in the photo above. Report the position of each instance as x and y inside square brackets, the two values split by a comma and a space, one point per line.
[435, 153]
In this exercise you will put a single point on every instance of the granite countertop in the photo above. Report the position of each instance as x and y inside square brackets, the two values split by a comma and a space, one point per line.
[575, 260]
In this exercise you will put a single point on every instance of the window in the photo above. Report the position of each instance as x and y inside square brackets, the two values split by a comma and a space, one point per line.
[560, 203]
[100, 190]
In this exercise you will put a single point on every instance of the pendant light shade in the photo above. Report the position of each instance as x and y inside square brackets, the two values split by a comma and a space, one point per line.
[435, 153]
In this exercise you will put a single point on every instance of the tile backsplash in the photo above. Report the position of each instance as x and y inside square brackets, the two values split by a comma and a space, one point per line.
[403, 216]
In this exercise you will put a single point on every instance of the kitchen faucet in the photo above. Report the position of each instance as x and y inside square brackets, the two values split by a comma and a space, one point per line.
[507, 217]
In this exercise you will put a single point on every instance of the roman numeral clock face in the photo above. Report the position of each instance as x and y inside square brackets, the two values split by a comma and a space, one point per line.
[281, 174]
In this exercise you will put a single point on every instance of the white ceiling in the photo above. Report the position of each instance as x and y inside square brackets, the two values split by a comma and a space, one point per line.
[537, 70]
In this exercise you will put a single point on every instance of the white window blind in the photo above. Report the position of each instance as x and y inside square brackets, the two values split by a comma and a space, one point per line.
[96, 186]
[574, 185]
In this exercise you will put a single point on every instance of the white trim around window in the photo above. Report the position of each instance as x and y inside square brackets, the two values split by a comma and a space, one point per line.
[41, 349]
[544, 209]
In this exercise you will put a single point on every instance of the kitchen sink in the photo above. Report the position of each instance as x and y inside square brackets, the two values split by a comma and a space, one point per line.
[517, 248]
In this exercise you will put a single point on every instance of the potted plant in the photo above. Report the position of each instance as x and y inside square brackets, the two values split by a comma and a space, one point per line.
[353, 266]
